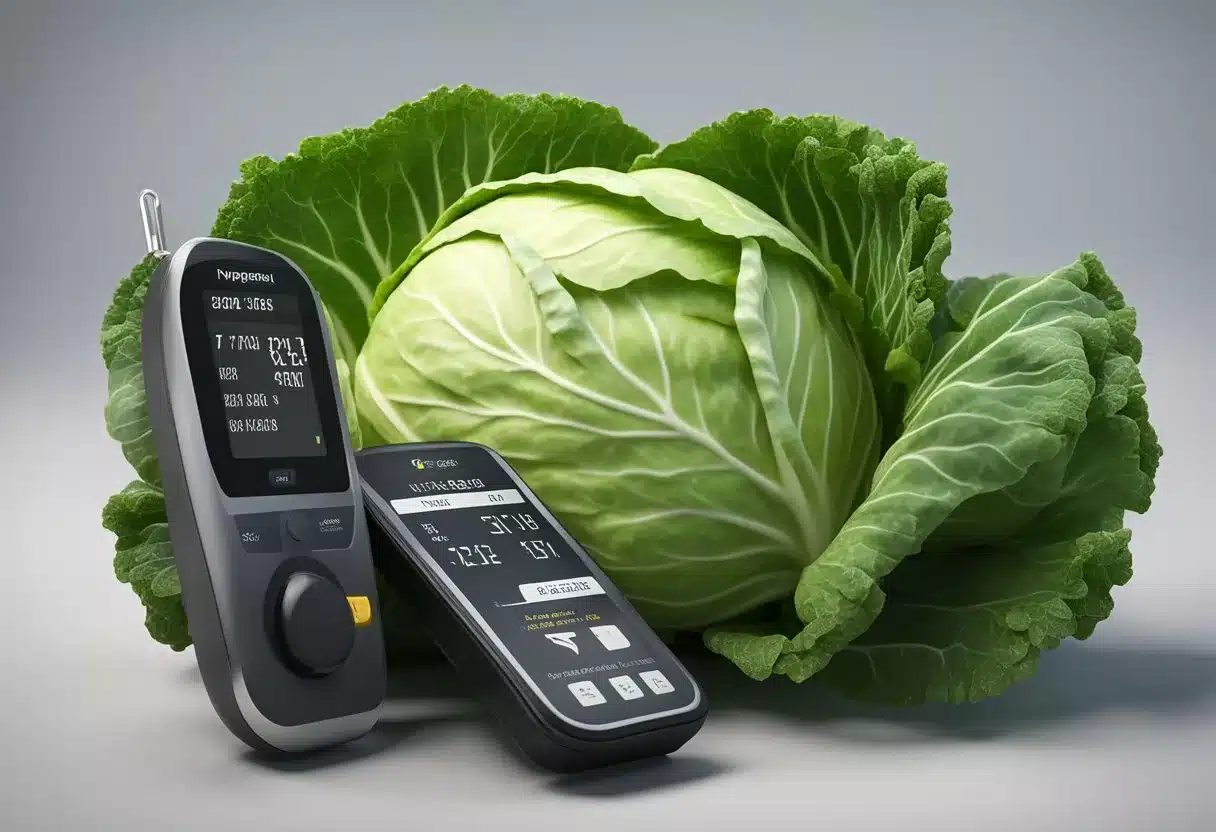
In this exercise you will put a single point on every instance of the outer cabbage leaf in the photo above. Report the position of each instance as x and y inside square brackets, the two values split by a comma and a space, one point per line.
[959, 626]
[867, 206]
[1107, 469]
[586, 205]
[350, 206]
[658, 359]
[342, 368]
[1023, 447]
[143, 558]
[126, 405]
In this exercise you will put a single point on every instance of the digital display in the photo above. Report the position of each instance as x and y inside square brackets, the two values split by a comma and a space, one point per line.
[591, 659]
[262, 378]
[261, 360]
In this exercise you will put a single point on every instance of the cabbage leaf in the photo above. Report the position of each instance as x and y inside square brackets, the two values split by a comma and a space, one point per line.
[867, 206]
[1030, 408]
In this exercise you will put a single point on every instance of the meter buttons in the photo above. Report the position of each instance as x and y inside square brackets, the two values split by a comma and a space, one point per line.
[259, 533]
[283, 477]
[360, 609]
[587, 693]
[297, 528]
[314, 626]
[611, 637]
[656, 681]
[626, 687]
[315, 529]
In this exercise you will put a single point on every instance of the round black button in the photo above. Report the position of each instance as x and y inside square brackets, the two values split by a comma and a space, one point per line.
[315, 626]
[297, 528]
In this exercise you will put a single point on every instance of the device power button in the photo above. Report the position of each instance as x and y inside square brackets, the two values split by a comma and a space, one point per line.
[316, 630]
[297, 528]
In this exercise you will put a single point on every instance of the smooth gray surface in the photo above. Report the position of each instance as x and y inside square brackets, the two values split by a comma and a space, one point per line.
[1065, 129]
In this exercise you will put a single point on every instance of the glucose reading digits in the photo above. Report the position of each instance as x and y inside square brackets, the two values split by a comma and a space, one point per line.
[476, 555]
[261, 361]
[287, 352]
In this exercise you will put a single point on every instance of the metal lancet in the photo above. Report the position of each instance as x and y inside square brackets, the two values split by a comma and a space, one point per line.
[154, 223]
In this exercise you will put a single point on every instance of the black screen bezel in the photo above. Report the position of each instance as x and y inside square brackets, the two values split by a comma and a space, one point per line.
[250, 477]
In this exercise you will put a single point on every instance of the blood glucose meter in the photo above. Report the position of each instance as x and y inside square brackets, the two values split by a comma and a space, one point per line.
[570, 668]
[265, 511]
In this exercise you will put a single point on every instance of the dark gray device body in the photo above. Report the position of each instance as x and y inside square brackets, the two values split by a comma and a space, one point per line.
[569, 667]
[268, 528]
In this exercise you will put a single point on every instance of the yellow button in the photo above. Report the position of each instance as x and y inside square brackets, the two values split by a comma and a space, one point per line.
[360, 608]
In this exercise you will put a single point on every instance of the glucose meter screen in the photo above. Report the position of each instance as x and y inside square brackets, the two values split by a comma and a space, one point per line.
[262, 361]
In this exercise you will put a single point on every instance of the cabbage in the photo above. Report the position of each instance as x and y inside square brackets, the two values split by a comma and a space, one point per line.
[684, 395]
[732, 365]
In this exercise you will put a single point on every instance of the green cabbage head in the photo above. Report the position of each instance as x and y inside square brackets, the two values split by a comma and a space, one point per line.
[662, 360]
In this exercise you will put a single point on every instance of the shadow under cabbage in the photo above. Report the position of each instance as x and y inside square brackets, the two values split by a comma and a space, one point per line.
[1073, 682]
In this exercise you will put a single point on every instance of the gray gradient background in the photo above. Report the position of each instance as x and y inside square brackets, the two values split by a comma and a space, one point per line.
[1065, 129]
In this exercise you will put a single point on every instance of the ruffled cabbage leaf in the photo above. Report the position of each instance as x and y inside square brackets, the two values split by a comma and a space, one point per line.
[1016, 432]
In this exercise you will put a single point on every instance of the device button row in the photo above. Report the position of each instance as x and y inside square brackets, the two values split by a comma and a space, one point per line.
[260, 533]
[316, 529]
[588, 695]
